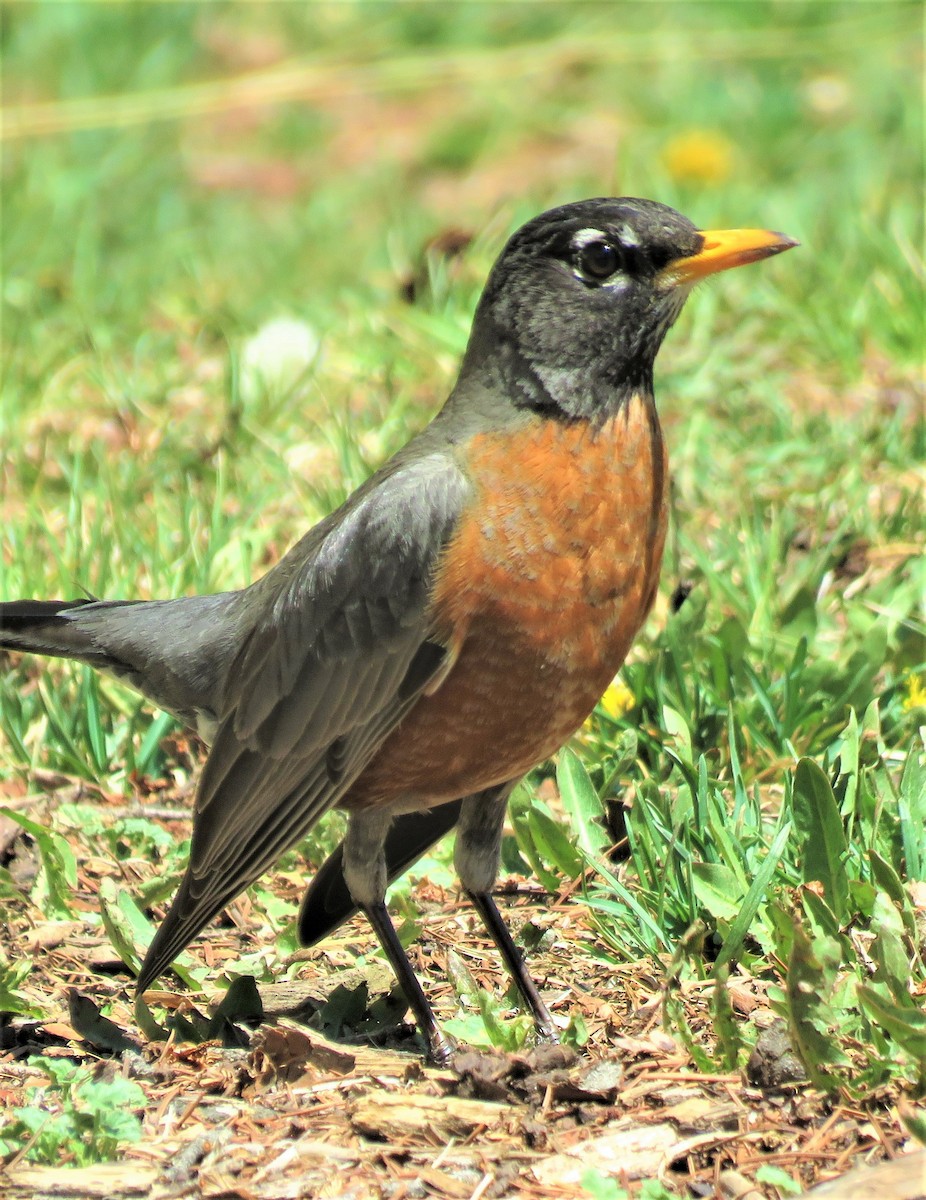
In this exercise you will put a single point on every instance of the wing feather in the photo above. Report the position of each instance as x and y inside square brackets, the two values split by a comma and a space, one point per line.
[340, 652]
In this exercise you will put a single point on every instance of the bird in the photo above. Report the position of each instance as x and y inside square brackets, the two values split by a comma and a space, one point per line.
[454, 621]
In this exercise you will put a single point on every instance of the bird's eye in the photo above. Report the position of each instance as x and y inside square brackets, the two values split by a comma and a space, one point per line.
[598, 260]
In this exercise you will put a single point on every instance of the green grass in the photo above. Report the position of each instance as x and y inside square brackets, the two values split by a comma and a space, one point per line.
[772, 731]
[72, 1114]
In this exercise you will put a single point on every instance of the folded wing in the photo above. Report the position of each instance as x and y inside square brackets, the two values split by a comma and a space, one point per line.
[341, 651]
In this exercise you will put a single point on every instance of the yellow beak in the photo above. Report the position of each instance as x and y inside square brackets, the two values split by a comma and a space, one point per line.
[725, 248]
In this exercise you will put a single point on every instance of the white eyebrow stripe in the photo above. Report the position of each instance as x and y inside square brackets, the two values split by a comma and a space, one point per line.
[626, 236]
[584, 236]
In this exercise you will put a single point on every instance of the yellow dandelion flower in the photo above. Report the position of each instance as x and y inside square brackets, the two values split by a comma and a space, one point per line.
[916, 691]
[698, 156]
[618, 699]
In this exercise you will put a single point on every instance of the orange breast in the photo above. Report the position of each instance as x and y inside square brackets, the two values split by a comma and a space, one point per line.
[540, 593]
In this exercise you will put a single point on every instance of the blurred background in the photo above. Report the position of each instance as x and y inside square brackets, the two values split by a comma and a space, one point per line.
[242, 243]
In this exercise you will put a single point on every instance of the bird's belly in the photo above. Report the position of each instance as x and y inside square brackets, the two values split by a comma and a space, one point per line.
[539, 595]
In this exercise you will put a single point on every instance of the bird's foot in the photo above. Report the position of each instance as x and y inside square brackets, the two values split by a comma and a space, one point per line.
[441, 1047]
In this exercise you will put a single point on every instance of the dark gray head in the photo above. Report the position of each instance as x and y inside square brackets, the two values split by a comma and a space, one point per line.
[577, 305]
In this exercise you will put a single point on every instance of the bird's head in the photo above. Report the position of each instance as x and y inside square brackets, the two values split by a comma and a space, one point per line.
[577, 305]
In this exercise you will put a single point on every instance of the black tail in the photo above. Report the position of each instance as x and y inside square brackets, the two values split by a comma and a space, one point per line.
[17, 616]
[44, 627]
[327, 902]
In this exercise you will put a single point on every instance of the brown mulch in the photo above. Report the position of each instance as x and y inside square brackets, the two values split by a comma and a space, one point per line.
[292, 1113]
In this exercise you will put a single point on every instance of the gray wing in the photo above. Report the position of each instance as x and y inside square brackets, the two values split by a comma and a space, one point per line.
[339, 652]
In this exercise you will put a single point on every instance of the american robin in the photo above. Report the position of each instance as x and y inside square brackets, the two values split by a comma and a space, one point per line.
[455, 620]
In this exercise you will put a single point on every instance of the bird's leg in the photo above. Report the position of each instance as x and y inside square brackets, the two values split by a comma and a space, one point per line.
[514, 961]
[478, 848]
[365, 873]
[440, 1046]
